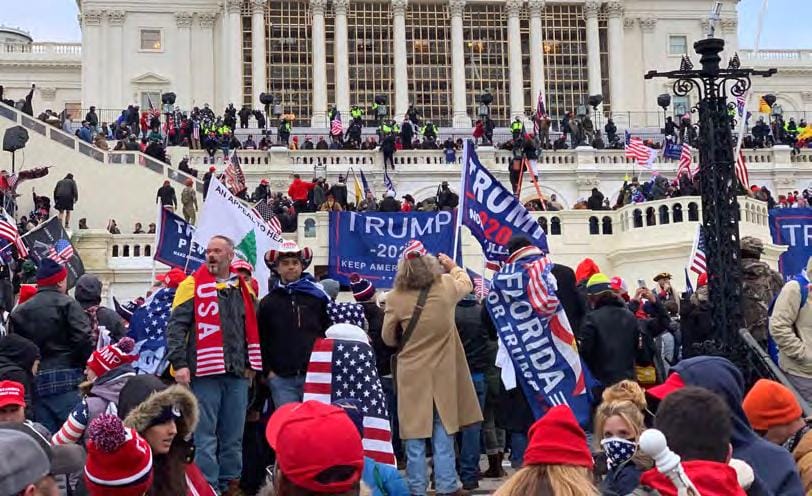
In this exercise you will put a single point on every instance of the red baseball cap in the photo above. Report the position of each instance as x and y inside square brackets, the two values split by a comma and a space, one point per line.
[673, 383]
[11, 393]
[312, 437]
[173, 278]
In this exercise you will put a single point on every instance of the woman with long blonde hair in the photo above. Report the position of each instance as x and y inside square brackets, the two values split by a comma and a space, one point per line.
[618, 425]
[557, 461]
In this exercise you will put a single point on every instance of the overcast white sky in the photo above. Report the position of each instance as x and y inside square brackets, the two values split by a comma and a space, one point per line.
[55, 20]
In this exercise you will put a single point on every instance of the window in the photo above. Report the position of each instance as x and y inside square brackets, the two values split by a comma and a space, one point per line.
[681, 105]
[148, 97]
[677, 45]
[151, 39]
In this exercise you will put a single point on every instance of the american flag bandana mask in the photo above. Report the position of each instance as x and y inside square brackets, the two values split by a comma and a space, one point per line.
[414, 249]
[618, 451]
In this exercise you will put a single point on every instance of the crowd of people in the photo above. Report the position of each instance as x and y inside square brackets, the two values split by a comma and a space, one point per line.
[235, 410]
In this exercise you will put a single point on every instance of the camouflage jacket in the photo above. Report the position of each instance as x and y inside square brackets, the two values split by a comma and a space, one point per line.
[760, 286]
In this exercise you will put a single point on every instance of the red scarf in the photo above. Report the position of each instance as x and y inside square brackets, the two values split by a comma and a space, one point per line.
[208, 331]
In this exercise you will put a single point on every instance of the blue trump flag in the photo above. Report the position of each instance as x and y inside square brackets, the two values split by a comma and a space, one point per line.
[792, 227]
[370, 243]
[175, 247]
[148, 330]
[534, 331]
[492, 213]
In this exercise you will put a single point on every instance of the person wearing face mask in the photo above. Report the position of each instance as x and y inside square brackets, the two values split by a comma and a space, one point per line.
[165, 417]
[618, 425]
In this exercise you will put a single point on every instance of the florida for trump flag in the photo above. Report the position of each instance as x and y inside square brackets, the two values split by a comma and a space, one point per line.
[534, 331]
[342, 366]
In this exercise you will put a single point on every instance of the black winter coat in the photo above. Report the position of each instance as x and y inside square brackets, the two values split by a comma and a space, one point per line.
[288, 326]
[609, 341]
[389, 204]
[57, 324]
[480, 351]
[574, 302]
[695, 325]
[17, 357]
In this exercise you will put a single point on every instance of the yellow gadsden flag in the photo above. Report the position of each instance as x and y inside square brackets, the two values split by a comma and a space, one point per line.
[763, 107]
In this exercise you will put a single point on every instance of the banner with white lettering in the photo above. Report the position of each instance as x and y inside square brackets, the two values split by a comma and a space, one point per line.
[792, 227]
[370, 243]
[536, 335]
[175, 246]
[492, 212]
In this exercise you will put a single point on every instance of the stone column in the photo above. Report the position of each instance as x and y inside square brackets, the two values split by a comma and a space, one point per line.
[91, 55]
[116, 57]
[319, 114]
[259, 83]
[648, 26]
[401, 64]
[536, 51]
[226, 80]
[593, 52]
[458, 88]
[203, 54]
[341, 57]
[514, 8]
[183, 83]
[614, 25]
[235, 71]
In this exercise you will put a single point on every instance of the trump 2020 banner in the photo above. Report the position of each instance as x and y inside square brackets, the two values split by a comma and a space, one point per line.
[491, 211]
[536, 335]
[370, 243]
[175, 245]
[792, 227]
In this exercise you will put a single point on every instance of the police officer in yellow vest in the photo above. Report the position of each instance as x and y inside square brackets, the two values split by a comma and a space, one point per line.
[517, 128]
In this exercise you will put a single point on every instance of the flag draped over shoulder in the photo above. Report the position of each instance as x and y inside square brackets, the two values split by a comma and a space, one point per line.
[535, 333]
[342, 366]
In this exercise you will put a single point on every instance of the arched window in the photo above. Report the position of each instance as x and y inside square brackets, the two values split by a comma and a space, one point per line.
[115, 250]
[678, 212]
[693, 212]
[650, 217]
[593, 225]
[126, 251]
[148, 251]
[136, 250]
[637, 218]
[310, 228]
[543, 223]
[607, 225]
[664, 214]
[555, 226]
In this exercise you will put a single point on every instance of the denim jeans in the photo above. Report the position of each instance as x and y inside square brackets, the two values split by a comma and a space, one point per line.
[223, 401]
[392, 405]
[286, 390]
[471, 445]
[53, 410]
[445, 472]
[518, 444]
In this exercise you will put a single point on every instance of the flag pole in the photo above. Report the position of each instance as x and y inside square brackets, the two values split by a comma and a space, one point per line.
[466, 152]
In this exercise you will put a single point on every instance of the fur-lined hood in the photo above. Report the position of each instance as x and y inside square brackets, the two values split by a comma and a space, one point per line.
[141, 414]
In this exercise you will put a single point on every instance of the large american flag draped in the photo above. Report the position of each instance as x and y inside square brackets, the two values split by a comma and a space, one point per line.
[148, 330]
[335, 125]
[235, 179]
[741, 171]
[637, 150]
[686, 161]
[9, 232]
[343, 368]
[698, 262]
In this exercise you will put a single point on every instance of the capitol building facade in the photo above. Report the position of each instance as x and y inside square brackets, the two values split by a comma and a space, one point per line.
[439, 55]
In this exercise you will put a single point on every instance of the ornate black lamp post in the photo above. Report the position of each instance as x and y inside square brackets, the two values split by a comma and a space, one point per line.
[719, 186]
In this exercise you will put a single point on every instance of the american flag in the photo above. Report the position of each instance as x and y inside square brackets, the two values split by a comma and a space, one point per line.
[264, 210]
[235, 179]
[341, 369]
[541, 112]
[335, 125]
[482, 286]
[61, 251]
[740, 102]
[148, 330]
[637, 150]
[686, 161]
[387, 181]
[196, 130]
[9, 232]
[698, 261]
[741, 171]
[539, 288]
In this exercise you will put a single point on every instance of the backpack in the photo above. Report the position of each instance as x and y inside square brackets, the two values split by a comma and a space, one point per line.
[772, 348]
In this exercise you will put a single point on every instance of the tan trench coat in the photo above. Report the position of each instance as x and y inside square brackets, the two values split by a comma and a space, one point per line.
[432, 370]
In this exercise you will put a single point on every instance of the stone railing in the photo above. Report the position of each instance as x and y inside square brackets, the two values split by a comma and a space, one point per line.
[41, 51]
[777, 58]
